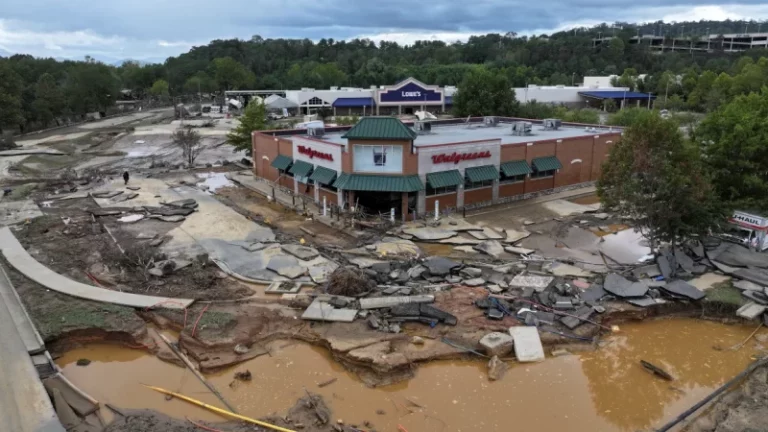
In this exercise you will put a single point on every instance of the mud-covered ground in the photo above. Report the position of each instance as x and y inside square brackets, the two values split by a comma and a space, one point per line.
[305, 416]
[744, 409]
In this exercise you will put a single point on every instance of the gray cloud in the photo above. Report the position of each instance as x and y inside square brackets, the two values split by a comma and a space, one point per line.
[143, 28]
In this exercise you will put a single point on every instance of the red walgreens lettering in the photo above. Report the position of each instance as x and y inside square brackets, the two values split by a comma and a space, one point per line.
[312, 153]
[455, 158]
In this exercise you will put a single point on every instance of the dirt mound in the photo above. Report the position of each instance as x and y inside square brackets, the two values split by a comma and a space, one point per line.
[303, 416]
[349, 281]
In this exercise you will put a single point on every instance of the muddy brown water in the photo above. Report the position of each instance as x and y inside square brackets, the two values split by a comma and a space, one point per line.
[604, 390]
[586, 200]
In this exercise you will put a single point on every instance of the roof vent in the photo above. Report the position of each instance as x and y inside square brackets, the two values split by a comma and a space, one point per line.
[552, 124]
[490, 121]
[422, 127]
[521, 128]
[316, 131]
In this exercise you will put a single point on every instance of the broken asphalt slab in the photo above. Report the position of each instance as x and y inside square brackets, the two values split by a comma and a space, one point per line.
[757, 276]
[322, 311]
[737, 256]
[622, 287]
[683, 288]
[430, 233]
[490, 247]
[300, 252]
[439, 266]
[561, 269]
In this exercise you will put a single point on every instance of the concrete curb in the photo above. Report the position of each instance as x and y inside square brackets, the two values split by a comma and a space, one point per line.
[14, 252]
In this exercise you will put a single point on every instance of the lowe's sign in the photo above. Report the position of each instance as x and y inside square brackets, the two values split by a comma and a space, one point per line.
[412, 93]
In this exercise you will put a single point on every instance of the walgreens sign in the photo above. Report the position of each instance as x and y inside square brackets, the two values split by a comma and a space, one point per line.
[455, 158]
[312, 153]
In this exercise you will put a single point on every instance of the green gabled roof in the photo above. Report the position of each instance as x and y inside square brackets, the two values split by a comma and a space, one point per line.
[482, 173]
[282, 162]
[546, 163]
[323, 175]
[380, 128]
[378, 183]
[301, 168]
[515, 168]
[444, 178]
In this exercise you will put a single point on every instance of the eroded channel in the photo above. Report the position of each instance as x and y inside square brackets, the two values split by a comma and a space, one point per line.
[603, 390]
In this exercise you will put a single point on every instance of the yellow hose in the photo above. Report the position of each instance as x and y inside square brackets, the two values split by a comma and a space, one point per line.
[219, 410]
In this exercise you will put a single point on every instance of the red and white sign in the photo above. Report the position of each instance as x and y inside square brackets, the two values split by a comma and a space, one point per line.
[455, 158]
[312, 153]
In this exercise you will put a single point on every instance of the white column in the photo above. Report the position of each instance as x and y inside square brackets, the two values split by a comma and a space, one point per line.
[495, 190]
[392, 214]
[460, 196]
[437, 209]
[325, 207]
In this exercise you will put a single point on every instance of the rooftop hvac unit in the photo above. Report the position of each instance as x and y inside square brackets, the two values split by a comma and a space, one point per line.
[552, 124]
[316, 131]
[521, 128]
[423, 127]
[490, 121]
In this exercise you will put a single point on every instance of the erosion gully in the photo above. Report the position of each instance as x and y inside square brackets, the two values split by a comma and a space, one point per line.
[601, 390]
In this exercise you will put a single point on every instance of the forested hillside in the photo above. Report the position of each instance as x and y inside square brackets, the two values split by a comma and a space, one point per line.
[36, 92]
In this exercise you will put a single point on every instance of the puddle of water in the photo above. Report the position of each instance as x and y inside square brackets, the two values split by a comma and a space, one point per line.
[215, 181]
[606, 390]
[434, 249]
[586, 200]
[627, 247]
[612, 229]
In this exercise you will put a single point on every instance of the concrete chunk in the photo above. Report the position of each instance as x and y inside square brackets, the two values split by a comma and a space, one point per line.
[474, 282]
[683, 288]
[385, 302]
[538, 283]
[323, 311]
[491, 247]
[430, 233]
[751, 310]
[561, 269]
[527, 344]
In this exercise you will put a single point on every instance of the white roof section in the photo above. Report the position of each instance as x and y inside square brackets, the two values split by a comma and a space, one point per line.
[557, 94]
[279, 102]
[463, 133]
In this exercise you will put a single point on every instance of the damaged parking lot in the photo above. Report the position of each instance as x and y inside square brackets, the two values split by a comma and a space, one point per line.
[514, 286]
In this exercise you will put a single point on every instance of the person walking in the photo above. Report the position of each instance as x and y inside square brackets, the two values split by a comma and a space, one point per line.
[126, 177]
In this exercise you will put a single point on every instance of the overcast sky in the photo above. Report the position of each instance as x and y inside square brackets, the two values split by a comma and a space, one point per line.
[112, 30]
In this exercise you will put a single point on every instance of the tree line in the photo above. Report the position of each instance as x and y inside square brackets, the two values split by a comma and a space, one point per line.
[39, 92]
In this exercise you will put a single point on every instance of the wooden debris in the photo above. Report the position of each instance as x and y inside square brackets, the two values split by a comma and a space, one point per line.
[656, 370]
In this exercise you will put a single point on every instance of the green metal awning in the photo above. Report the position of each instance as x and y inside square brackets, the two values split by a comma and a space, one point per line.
[323, 175]
[301, 168]
[482, 173]
[444, 178]
[378, 183]
[548, 163]
[515, 168]
[282, 162]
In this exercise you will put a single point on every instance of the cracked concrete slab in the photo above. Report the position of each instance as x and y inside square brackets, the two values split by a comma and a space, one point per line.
[430, 233]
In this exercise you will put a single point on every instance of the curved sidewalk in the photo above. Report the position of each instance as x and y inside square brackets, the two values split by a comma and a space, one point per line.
[14, 252]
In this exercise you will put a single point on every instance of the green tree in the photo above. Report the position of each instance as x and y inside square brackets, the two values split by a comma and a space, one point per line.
[199, 83]
[733, 140]
[49, 100]
[230, 74]
[11, 87]
[655, 177]
[254, 118]
[627, 116]
[482, 93]
[584, 115]
[159, 88]
[91, 87]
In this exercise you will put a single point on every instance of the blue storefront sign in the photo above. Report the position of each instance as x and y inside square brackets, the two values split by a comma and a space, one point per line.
[410, 93]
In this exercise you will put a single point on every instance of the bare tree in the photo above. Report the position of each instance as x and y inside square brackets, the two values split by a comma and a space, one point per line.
[189, 141]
